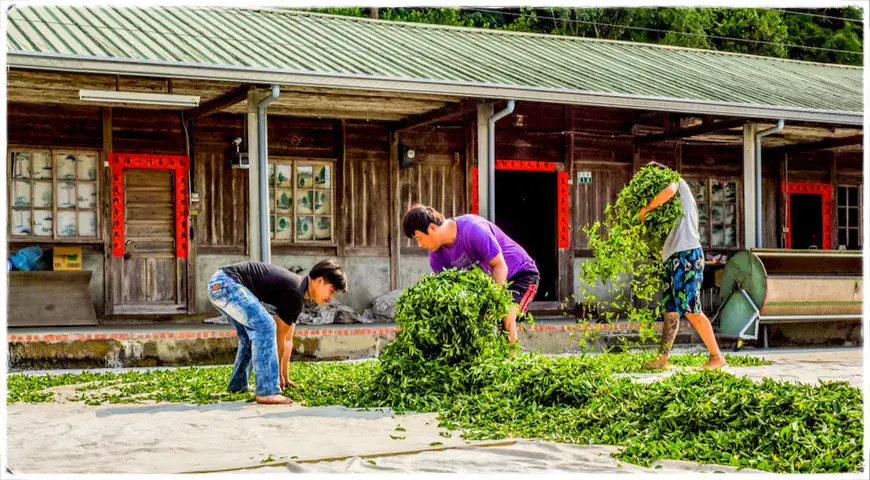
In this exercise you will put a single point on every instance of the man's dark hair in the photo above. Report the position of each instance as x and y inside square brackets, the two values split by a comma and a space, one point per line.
[418, 218]
[657, 165]
[331, 272]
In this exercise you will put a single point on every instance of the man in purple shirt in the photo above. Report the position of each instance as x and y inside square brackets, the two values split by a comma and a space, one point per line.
[470, 240]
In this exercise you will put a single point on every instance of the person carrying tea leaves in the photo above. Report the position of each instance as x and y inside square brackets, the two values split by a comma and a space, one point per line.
[265, 343]
[684, 272]
[469, 240]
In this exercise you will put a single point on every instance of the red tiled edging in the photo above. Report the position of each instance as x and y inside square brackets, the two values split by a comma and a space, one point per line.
[78, 337]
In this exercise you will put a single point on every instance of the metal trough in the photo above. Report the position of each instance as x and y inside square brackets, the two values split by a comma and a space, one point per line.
[767, 286]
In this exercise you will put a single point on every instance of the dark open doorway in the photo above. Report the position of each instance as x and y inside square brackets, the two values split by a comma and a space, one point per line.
[526, 211]
[806, 221]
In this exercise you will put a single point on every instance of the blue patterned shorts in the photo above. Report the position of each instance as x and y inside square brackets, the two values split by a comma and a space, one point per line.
[684, 272]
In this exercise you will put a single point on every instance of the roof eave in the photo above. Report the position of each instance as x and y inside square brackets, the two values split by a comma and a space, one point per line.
[112, 66]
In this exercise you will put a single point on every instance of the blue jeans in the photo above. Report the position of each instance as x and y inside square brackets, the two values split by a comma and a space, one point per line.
[256, 331]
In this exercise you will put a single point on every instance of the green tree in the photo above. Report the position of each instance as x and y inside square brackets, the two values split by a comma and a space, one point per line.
[750, 24]
[768, 30]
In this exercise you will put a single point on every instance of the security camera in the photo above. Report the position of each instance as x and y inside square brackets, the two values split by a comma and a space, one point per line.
[237, 141]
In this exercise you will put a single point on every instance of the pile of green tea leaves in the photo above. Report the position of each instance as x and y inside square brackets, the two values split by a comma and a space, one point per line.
[627, 254]
[458, 364]
[448, 323]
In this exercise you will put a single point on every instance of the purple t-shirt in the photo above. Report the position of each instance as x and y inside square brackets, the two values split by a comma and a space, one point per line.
[477, 242]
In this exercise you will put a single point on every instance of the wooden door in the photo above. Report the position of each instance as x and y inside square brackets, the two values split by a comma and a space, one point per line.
[149, 278]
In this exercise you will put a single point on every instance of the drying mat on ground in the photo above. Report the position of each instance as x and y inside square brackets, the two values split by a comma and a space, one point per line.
[520, 456]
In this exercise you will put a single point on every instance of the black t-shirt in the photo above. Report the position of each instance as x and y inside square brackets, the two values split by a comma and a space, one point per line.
[274, 285]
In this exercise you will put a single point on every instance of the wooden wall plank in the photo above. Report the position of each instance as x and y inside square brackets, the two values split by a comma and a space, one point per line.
[590, 200]
[367, 154]
[394, 205]
[109, 261]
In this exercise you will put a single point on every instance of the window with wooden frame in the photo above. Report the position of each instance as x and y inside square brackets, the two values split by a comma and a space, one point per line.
[718, 202]
[54, 194]
[849, 217]
[301, 196]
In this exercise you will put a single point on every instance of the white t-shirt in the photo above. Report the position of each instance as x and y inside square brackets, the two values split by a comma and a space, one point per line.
[684, 235]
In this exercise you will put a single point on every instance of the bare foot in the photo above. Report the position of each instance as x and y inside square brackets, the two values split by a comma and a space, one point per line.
[660, 363]
[274, 400]
[716, 362]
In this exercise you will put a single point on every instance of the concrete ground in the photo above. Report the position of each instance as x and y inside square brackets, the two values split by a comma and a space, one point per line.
[248, 438]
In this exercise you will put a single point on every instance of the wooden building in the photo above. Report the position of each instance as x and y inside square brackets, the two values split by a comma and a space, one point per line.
[147, 186]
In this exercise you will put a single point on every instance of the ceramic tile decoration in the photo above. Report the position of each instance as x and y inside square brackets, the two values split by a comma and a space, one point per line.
[305, 228]
[304, 176]
[87, 167]
[42, 223]
[66, 223]
[21, 194]
[323, 228]
[321, 202]
[322, 176]
[87, 195]
[700, 190]
[21, 166]
[285, 175]
[66, 166]
[42, 197]
[730, 236]
[730, 214]
[730, 192]
[285, 200]
[283, 229]
[21, 224]
[717, 214]
[41, 165]
[304, 201]
[718, 236]
[66, 195]
[718, 192]
[88, 223]
[702, 213]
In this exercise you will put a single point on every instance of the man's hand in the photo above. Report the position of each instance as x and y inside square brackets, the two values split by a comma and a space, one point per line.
[286, 382]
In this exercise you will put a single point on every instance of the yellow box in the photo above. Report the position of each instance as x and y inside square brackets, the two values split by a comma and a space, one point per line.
[67, 258]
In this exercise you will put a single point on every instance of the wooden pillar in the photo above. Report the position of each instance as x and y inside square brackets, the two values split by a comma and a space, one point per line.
[470, 160]
[749, 200]
[190, 262]
[484, 111]
[566, 255]
[781, 202]
[340, 232]
[254, 98]
[678, 156]
[106, 220]
[635, 157]
[394, 221]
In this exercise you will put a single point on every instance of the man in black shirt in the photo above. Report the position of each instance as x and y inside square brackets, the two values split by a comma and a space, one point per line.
[265, 343]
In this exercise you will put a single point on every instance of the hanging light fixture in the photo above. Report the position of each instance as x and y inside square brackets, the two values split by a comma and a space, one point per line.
[139, 98]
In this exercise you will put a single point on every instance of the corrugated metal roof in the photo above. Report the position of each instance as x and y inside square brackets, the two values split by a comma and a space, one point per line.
[310, 43]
